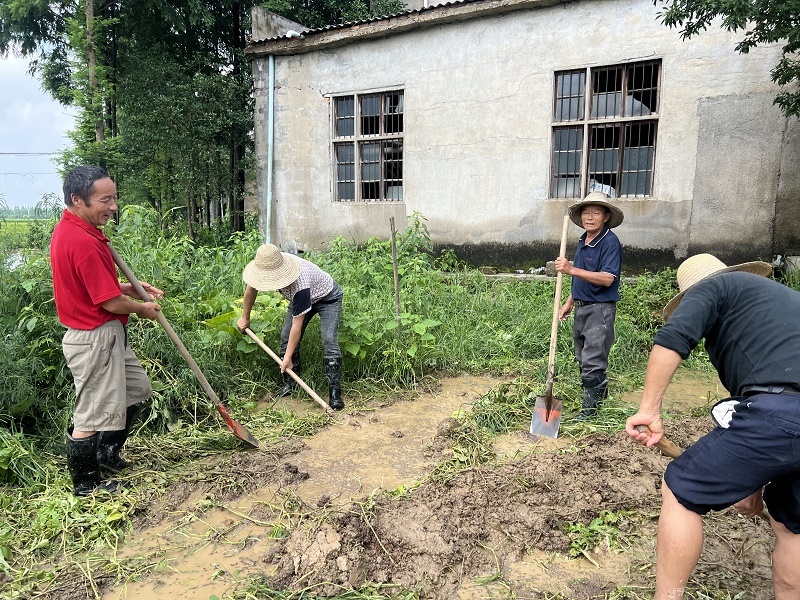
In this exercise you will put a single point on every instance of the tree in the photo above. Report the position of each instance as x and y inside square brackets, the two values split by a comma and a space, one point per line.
[764, 22]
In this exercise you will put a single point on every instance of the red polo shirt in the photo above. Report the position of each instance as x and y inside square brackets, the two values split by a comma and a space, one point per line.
[84, 274]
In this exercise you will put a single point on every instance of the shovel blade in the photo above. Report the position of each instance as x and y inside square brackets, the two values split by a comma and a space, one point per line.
[546, 419]
[239, 430]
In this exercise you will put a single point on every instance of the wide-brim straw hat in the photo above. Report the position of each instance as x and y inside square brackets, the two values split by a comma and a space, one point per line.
[702, 266]
[272, 269]
[599, 199]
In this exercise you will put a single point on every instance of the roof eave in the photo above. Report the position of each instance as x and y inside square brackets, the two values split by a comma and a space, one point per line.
[348, 33]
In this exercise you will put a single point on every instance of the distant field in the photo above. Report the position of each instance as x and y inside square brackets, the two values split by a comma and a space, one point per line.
[15, 226]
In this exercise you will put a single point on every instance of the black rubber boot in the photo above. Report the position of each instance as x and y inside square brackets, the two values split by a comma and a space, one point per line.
[333, 371]
[82, 463]
[592, 399]
[289, 384]
[109, 444]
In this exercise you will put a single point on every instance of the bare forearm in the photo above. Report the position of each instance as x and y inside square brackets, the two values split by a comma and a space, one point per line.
[250, 294]
[593, 277]
[294, 335]
[122, 305]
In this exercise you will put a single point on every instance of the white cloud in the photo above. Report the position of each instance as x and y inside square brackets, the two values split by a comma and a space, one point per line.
[30, 121]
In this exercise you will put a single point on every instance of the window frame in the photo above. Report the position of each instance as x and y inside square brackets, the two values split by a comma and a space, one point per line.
[359, 140]
[586, 123]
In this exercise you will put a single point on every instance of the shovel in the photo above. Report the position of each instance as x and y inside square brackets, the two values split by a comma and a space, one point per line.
[546, 416]
[291, 373]
[239, 430]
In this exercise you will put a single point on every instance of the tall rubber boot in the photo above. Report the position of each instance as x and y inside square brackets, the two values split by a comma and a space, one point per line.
[333, 371]
[592, 399]
[82, 463]
[110, 443]
[289, 384]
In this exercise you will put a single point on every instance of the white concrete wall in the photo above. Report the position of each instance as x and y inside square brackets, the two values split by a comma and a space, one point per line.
[478, 110]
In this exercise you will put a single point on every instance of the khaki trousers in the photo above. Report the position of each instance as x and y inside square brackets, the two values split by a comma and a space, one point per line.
[108, 376]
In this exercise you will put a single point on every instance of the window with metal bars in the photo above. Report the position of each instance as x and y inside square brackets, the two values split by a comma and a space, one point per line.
[368, 147]
[605, 138]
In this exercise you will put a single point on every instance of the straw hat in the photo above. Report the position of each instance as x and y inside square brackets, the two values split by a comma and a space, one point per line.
[702, 266]
[272, 269]
[598, 199]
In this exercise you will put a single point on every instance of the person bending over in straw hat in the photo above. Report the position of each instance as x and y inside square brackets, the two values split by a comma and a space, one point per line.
[751, 327]
[595, 293]
[310, 290]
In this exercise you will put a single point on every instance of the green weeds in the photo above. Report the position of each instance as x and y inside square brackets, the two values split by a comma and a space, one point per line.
[452, 320]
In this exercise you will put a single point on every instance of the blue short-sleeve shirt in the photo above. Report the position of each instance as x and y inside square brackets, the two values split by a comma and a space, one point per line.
[603, 254]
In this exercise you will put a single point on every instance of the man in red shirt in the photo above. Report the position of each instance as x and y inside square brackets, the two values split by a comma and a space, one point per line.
[110, 383]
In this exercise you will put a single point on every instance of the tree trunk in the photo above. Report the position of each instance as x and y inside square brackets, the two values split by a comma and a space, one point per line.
[95, 102]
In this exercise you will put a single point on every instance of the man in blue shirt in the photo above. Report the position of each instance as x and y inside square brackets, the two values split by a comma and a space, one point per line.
[595, 292]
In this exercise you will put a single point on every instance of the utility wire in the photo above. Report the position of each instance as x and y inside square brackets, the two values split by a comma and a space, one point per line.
[28, 153]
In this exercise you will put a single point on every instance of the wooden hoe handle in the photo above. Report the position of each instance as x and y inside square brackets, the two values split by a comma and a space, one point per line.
[291, 373]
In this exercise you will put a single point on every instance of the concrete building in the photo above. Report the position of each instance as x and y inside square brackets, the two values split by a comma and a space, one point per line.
[491, 117]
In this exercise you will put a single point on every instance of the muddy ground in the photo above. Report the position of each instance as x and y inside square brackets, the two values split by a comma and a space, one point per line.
[341, 510]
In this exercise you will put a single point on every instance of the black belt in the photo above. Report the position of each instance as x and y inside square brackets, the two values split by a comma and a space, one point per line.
[583, 303]
[749, 390]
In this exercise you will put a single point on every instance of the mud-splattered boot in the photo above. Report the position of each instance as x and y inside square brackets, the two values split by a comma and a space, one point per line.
[333, 371]
[289, 384]
[82, 463]
[110, 443]
[592, 399]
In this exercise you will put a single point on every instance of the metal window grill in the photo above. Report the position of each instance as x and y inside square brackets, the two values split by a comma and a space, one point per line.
[345, 172]
[619, 155]
[369, 170]
[567, 153]
[569, 95]
[344, 117]
[638, 158]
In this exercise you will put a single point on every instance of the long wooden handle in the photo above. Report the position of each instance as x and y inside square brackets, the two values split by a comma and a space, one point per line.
[551, 361]
[667, 447]
[291, 373]
[167, 327]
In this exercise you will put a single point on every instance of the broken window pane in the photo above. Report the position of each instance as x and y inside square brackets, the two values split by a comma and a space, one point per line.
[379, 174]
[642, 88]
[370, 115]
[638, 158]
[620, 152]
[393, 112]
[393, 169]
[607, 92]
[604, 155]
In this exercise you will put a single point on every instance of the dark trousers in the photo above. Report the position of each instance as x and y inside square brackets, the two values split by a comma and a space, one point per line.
[593, 334]
[330, 311]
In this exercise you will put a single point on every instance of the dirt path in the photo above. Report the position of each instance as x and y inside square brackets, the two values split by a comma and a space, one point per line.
[207, 551]
[311, 517]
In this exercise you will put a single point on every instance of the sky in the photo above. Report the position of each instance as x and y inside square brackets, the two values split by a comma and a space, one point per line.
[30, 122]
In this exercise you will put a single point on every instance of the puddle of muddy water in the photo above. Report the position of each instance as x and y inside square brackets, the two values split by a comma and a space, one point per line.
[207, 553]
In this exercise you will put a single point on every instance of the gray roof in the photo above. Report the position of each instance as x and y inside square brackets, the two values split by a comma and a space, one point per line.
[308, 40]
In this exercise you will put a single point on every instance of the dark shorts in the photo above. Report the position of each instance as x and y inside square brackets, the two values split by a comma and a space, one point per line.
[760, 448]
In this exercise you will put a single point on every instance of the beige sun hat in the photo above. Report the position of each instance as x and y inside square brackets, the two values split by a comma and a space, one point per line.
[599, 199]
[702, 266]
[272, 269]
